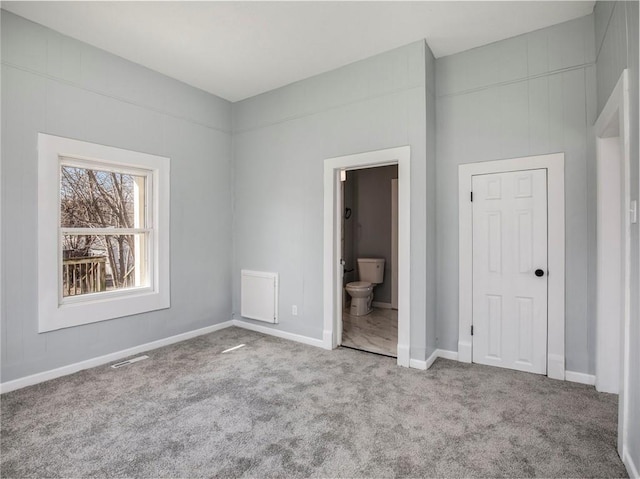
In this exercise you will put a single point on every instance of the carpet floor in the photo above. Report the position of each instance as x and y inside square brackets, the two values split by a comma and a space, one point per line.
[276, 408]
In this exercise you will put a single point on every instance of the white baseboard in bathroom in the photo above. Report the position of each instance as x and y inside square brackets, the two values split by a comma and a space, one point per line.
[380, 305]
[280, 334]
[107, 358]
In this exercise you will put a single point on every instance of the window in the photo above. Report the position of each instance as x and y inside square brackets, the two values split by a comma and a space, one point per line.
[104, 228]
[103, 238]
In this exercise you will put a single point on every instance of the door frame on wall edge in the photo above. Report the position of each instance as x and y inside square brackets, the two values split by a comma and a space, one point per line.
[333, 269]
[616, 113]
[554, 164]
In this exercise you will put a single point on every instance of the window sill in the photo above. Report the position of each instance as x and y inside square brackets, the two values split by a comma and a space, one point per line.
[101, 309]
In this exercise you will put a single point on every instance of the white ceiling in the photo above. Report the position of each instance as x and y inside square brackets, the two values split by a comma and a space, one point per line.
[239, 49]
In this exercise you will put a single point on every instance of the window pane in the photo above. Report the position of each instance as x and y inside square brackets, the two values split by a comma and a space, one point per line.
[97, 263]
[92, 198]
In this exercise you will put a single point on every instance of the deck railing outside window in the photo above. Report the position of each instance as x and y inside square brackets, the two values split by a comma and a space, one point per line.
[84, 275]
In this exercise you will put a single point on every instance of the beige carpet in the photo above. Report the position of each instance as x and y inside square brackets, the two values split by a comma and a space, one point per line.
[275, 408]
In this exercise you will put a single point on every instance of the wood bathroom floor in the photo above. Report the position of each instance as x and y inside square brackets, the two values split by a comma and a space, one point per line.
[377, 332]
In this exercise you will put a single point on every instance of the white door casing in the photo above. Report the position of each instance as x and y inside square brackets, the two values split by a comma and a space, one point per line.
[510, 270]
[613, 151]
[554, 165]
[332, 225]
[610, 263]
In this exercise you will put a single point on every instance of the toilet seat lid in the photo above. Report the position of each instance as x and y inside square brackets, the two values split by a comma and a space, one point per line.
[359, 284]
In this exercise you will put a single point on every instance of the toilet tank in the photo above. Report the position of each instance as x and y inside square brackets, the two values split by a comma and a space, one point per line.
[371, 270]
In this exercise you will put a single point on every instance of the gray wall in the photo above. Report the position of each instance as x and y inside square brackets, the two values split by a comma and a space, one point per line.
[370, 223]
[281, 139]
[616, 27]
[57, 85]
[531, 94]
[528, 95]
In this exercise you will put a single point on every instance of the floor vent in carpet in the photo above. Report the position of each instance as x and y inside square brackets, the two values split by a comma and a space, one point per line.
[128, 361]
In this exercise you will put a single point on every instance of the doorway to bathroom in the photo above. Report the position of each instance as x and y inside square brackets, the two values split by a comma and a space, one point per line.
[368, 246]
[335, 170]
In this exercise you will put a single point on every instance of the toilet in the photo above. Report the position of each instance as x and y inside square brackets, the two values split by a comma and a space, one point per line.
[370, 274]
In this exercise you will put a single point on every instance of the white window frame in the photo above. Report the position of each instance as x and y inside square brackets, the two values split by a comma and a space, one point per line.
[56, 312]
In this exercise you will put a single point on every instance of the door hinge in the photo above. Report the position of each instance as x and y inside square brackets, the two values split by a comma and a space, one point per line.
[472, 330]
[472, 196]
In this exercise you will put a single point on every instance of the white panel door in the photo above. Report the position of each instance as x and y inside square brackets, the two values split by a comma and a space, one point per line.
[510, 270]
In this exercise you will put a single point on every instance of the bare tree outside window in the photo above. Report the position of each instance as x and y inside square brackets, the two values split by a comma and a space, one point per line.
[94, 206]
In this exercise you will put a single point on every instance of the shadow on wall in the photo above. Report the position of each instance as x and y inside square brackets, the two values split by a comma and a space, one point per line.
[367, 223]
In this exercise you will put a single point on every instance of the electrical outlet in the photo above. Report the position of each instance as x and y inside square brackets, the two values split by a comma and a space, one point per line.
[294, 310]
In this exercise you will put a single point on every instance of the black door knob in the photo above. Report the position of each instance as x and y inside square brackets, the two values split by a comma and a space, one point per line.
[539, 273]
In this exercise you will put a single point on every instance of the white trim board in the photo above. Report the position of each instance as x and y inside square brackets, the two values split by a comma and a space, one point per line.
[319, 343]
[613, 126]
[418, 364]
[581, 378]
[378, 304]
[431, 359]
[333, 270]
[570, 376]
[446, 354]
[438, 353]
[554, 164]
[632, 469]
[107, 358]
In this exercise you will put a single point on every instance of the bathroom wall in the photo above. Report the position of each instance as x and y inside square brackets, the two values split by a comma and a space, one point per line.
[57, 85]
[348, 230]
[528, 95]
[281, 139]
[616, 27]
[369, 228]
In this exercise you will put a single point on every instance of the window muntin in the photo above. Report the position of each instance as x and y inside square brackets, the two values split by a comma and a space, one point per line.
[105, 229]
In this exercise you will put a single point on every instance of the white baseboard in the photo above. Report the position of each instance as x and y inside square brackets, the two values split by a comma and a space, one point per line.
[417, 364]
[581, 378]
[464, 351]
[404, 359]
[446, 354]
[431, 359]
[327, 339]
[438, 353]
[632, 469]
[280, 334]
[325, 343]
[377, 304]
[107, 358]
[555, 367]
